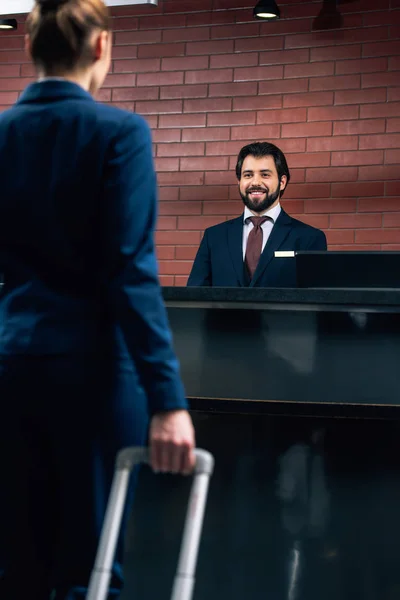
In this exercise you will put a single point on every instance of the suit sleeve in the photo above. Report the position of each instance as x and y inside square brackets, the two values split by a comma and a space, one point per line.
[317, 241]
[129, 216]
[200, 274]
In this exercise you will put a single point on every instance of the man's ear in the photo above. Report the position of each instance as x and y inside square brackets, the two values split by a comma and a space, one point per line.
[283, 183]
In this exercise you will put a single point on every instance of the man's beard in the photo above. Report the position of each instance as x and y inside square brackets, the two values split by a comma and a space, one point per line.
[257, 206]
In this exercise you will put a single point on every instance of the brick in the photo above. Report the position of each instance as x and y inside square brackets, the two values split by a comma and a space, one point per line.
[166, 164]
[353, 247]
[11, 42]
[258, 73]
[206, 18]
[26, 70]
[378, 236]
[159, 50]
[165, 224]
[384, 17]
[168, 193]
[103, 95]
[181, 179]
[280, 86]
[381, 49]
[394, 32]
[363, 65]
[391, 219]
[7, 98]
[166, 280]
[310, 159]
[120, 52]
[224, 61]
[181, 281]
[339, 236]
[232, 89]
[295, 115]
[223, 148]
[332, 113]
[129, 107]
[125, 23]
[162, 21]
[14, 84]
[357, 189]
[309, 69]
[309, 190]
[297, 176]
[125, 80]
[207, 134]
[393, 125]
[207, 105]
[282, 57]
[218, 192]
[169, 121]
[259, 43]
[134, 93]
[246, 30]
[319, 221]
[379, 204]
[335, 52]
[394, 63]
[344, 82]
[137, 37]
[332, 143]
[392, 157]
[198, 223]
[332, 205]
[223, 208]
[11, 70]
[358, 127]
[255, 132]
[155, 79]
[209, 76]
[332, 174]
[380, 79]
[288, 25]
[210, 47]
[184, 149]
[393, 94]
[307, 129]
[179, 208]
[380, 141]
[183, 91]
[185, 6]
[391, 247]
[169, 267]
[308, 99]
[378, 173]
[159, 107]
[229, 4]
[356, 221]
[184, 63]
[288, 146]
[204, 164]
[189, 34]
[392, 188]
[166, 135]
[135, 11]
[186, 252]
[177, 238]
[360, 96]
[363, 157]
[13, 56]
[391, 109]
[238, 118]
[165, 252]
[219, 178]
[257, 103]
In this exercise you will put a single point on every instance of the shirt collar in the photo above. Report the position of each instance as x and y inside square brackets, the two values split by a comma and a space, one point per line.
[272, 213]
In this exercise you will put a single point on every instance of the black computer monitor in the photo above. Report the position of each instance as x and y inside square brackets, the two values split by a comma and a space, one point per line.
[353, 269]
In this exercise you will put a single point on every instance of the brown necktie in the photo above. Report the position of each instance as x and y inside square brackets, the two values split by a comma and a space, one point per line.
[254, 244]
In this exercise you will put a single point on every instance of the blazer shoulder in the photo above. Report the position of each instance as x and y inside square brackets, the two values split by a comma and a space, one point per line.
[220, 227]
[121, 119]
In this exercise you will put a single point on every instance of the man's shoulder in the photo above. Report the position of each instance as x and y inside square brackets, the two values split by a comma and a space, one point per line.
[220, 227]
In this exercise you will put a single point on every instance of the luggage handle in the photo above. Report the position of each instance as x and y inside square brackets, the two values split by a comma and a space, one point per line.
[184, 581]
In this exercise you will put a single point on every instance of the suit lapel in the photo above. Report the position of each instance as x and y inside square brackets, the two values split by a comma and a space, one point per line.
[235, 245]
[279, 233]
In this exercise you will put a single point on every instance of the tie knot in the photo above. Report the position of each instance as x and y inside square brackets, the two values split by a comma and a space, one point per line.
[258, 221]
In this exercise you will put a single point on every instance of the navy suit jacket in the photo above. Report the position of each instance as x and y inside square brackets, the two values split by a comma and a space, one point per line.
[77, 216]
[219, 260]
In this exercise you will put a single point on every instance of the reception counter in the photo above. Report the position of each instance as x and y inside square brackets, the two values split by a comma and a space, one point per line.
[296, 392]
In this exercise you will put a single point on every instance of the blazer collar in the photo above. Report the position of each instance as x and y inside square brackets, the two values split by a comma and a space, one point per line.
[52, 90]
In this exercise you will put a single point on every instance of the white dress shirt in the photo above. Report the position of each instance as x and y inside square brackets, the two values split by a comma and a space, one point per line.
[266, 227]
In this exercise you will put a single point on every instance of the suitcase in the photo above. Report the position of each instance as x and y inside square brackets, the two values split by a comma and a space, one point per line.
[185, 575]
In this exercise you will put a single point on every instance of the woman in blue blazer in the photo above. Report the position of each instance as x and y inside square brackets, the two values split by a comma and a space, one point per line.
[86, 360]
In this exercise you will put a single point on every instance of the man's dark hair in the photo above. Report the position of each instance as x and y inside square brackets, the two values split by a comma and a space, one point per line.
[259, 150]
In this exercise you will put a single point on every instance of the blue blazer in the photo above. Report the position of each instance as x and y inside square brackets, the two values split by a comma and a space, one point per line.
[219, 260]
[77, 216]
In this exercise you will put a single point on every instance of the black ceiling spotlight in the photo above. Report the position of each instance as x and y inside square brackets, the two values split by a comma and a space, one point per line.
[329, 16]
[267, 10]
[7, 24]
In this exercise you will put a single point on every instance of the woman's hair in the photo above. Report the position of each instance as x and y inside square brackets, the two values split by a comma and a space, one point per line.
[60, 32]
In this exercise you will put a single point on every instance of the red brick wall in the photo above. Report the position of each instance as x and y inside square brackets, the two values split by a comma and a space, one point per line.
[210, 80]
